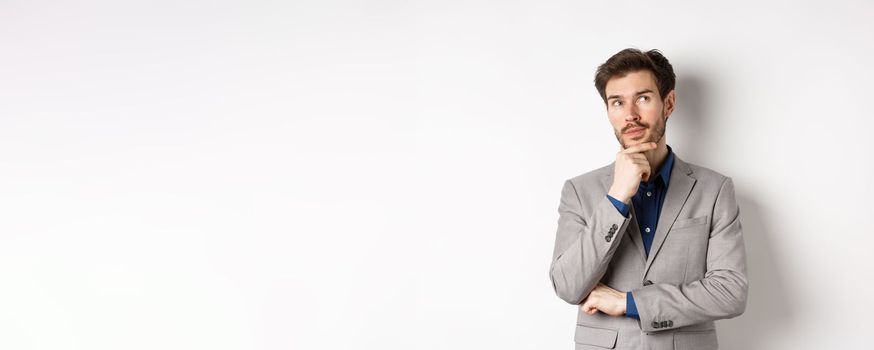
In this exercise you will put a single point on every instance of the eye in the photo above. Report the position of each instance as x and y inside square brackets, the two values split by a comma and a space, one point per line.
[645, 98]
[616, 103]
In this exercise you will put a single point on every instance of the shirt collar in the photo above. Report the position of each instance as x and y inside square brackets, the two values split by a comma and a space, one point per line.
[665, 171]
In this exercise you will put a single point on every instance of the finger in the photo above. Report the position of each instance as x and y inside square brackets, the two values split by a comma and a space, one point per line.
[644, 164]
[638, 156]
[641, 162]
[587, 307]
[641, 169]
[647, 169]
[640, 147]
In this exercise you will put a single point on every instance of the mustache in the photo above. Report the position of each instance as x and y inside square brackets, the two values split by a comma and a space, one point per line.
[634, 125]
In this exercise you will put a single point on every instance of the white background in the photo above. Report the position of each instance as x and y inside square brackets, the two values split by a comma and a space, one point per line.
[386, 174]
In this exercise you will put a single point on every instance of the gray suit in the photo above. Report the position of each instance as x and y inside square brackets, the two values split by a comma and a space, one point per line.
[695, 272]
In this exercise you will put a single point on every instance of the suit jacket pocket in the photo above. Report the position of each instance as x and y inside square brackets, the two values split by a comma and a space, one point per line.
[688, 243]
[603, 337]
[682, 223]
[696, 340]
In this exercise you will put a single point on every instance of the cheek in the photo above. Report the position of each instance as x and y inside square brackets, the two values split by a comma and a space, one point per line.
[616, 119]
[651, 108]
[651, 114]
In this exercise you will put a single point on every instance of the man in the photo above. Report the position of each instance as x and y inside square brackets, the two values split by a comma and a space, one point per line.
[649, 246]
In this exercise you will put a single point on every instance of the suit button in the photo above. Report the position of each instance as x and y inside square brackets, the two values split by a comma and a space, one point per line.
[608, 238]
[655, 324]
[647, 282]
[670, 323]
[663, 324]
[614, 227]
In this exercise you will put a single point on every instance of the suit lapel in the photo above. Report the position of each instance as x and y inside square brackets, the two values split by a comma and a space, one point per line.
[679, 188]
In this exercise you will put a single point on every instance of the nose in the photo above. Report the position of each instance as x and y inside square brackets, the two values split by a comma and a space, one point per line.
[632, 114]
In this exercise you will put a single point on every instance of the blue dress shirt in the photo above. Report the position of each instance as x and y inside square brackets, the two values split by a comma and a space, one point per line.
[648, 206]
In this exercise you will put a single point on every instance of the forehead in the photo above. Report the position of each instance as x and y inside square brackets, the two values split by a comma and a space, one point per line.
[631, 83]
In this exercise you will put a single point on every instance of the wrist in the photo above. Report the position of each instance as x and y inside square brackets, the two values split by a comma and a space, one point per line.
[624, 303]
[622, 198]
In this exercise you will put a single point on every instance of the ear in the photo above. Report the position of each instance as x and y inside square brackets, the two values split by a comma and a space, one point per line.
[670, 103]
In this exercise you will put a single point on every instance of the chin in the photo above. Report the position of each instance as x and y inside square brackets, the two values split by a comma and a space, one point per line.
[640, 139]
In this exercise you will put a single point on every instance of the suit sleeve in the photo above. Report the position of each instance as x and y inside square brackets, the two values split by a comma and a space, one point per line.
[621, 207]
[722, 293]
[585, 241]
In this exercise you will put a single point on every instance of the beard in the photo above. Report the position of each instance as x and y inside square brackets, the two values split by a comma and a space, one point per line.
[655, 136]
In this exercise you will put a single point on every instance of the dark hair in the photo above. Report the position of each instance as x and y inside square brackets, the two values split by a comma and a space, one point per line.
[633, 60]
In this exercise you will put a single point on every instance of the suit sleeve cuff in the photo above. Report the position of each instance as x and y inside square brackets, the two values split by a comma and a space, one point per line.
[621, 207]
[630, 306]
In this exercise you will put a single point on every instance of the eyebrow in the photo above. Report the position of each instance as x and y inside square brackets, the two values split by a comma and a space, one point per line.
[641, 92]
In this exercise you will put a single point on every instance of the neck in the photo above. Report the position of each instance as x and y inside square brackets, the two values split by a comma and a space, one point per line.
[657, 156]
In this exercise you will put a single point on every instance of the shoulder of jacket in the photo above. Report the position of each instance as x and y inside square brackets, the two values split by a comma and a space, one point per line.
[591, 177]
[702, 172]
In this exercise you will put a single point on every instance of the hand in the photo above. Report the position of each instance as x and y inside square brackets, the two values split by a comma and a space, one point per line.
[630, 169]
[606, 300]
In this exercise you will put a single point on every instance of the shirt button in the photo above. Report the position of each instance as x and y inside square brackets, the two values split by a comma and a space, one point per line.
[647, 229]
[649, 194]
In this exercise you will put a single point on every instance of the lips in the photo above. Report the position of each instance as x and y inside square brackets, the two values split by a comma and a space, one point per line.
[633, 131]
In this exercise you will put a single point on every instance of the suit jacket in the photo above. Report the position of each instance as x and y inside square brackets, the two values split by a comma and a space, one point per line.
[695, 272]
